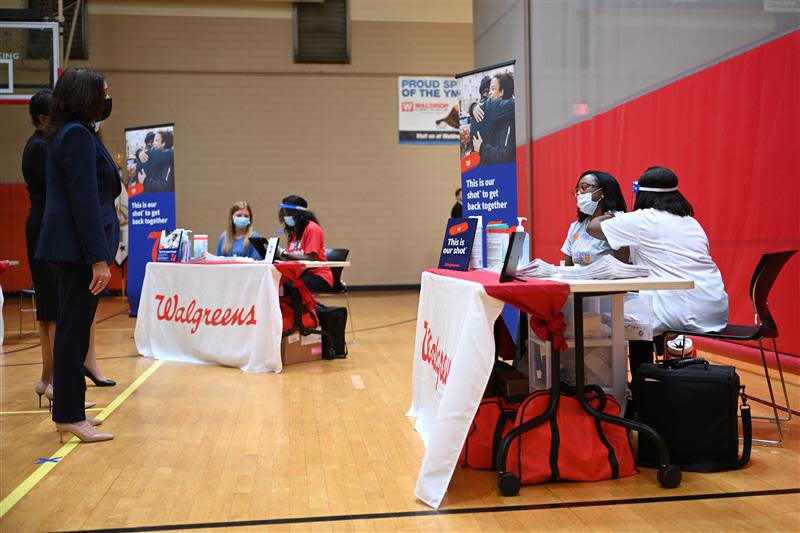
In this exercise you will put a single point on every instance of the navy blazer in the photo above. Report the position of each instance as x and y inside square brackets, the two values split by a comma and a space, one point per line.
[80, 223]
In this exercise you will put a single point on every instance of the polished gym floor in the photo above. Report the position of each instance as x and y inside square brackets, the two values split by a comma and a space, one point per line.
[323, 446]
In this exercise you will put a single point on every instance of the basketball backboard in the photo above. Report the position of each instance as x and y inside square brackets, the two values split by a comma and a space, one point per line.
[28, 59]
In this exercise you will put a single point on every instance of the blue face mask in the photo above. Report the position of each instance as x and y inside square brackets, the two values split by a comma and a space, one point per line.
[289, 221]
[241, 222]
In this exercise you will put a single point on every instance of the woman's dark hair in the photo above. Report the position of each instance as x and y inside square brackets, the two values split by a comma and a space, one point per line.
[671, 202]
[78, 95]
[40, 105]
[301, 217]
[166, 138]
[506, 81]
[612, 194]
[148, 139]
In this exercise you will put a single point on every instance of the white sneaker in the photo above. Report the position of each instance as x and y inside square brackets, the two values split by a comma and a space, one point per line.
[680, 346]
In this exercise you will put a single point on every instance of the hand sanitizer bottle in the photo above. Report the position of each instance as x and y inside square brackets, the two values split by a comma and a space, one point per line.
[524, 258]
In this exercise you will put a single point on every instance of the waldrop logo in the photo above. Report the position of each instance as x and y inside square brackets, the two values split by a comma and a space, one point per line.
[407, 106]
[170, 310]
[435, 357]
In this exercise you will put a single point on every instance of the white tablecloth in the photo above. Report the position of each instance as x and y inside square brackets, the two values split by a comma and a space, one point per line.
[453, 359]
[225, 314]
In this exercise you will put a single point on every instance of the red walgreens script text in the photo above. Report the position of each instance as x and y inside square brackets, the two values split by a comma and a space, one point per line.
[169, 309]
[435, 357]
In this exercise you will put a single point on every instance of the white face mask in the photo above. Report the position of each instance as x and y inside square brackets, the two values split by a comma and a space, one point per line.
[586, 204]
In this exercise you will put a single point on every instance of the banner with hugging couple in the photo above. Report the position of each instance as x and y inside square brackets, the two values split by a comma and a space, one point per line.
[488, 143]
[150, 176]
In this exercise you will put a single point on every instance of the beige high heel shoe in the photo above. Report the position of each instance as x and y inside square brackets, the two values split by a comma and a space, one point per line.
[48, 392]
[40, 389]
[83, 430]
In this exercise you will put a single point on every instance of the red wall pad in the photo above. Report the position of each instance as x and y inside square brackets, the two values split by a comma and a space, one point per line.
[731, 134]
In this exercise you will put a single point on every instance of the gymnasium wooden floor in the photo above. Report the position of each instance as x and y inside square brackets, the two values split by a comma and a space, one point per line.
[323, 446]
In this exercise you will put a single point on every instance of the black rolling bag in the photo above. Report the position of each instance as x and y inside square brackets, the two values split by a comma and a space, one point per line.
[333, 320]
[694, 407]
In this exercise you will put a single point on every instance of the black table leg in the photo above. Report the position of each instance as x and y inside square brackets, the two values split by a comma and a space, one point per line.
[508, 482]
[668, 475]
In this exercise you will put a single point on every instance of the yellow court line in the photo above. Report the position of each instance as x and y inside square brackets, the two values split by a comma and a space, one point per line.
[40, 411]
[16, 495]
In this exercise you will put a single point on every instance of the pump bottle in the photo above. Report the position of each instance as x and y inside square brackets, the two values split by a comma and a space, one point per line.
[524, 258]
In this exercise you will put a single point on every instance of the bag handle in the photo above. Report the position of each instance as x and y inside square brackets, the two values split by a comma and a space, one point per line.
[683, 363]
[597, 389]
[747, 430]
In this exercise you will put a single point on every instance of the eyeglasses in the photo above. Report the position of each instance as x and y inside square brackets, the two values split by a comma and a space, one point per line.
[586, 187]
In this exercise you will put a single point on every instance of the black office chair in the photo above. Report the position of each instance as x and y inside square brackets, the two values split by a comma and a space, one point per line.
[339, 286]
[764, 277]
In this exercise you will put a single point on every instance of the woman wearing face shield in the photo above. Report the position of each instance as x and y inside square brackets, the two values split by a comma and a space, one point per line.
[597, 193]
[235, 240]
[662, 234]
[306, 241]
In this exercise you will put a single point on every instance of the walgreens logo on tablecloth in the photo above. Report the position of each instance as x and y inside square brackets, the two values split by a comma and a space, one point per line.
[432, 354]
[171, 310]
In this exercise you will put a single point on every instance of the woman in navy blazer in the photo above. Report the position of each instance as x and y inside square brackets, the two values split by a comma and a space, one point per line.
[79, 236]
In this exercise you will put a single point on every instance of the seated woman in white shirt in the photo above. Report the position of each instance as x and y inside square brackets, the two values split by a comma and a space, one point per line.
[597, 193]
[235, 240]
[663, 235]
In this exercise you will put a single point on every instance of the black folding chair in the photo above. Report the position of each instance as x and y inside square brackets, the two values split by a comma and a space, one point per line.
[764, 277]
[339, 286]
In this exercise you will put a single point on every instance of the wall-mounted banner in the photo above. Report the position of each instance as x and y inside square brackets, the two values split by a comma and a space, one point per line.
[428, 110]
[488, 143]
[151, 198]
[457, 245]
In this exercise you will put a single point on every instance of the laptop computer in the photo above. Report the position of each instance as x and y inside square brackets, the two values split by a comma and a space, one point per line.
[265, 247]
[514, 252]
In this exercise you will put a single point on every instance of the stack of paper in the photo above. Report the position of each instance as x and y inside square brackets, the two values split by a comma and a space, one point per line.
[607, 267]
[206, 257]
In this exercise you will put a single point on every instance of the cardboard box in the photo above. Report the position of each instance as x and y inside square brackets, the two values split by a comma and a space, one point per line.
[297, 348]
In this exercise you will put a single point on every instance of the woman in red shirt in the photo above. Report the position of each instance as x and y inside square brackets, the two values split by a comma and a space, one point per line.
[306, 241]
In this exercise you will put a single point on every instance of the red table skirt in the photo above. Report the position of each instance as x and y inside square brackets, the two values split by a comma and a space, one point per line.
[541, 299]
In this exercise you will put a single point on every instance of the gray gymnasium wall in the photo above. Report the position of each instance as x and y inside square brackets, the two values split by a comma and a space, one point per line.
[604, 52]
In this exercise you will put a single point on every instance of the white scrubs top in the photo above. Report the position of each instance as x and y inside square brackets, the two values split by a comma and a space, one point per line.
[675, 246]
[582, 247]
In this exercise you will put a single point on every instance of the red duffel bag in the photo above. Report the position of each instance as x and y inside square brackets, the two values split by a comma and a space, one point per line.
[309, 318]
[572, 446]
[491, 424]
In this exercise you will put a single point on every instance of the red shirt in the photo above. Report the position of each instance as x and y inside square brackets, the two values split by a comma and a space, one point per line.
[312, 242]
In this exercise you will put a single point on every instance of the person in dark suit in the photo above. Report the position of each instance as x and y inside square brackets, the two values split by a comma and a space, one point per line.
[79, 236]
[34, 162]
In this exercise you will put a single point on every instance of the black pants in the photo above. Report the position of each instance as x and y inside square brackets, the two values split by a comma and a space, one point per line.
[77, 307]
[642, 351]
[315, 283]
[312, 281]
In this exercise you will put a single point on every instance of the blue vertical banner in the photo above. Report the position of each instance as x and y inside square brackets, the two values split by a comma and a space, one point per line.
[488, 150]
[488, 143]
[151, 198]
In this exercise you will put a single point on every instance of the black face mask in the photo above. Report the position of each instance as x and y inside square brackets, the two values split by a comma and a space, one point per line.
[106, 109]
